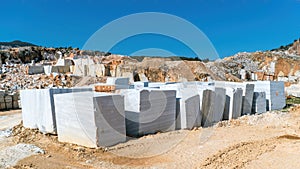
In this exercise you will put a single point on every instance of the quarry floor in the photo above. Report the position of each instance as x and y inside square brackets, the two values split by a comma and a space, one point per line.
[270, 140]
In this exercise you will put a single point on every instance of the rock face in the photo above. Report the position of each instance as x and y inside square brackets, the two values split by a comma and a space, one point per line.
[295, 48]
[282, 65]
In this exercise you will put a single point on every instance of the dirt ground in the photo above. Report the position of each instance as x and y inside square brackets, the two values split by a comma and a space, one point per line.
[270, 140]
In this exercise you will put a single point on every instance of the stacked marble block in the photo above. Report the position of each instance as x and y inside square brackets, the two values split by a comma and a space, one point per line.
[9, 101]
[119, 82]
[211, 101]
[188, 114]
[149, 110]
[90, 119]
[38, 110]
[2, 100]
[274, 90]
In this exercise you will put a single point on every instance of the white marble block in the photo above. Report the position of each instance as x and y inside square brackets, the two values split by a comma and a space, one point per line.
[38, 110]
[90, 119]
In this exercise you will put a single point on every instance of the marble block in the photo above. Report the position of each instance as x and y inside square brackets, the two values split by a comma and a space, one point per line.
[90, 119]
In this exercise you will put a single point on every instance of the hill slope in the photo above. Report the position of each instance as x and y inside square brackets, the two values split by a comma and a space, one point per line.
[16, 43]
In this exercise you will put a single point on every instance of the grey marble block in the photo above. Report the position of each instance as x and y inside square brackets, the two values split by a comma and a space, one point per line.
[90, 119]
[233, 104]
[149, 111]
[259, 102]
[213, 106]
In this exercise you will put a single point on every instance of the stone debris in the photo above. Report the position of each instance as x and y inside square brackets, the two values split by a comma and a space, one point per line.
[16, 153]
[6, 133]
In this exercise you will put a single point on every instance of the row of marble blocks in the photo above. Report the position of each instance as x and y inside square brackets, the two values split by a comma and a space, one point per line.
[90, 119]
[38, 111]
[248, 90]
[275, 96]
[149, 111]
[9, 101]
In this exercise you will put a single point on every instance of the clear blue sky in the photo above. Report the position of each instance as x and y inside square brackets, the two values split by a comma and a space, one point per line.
[232, 25]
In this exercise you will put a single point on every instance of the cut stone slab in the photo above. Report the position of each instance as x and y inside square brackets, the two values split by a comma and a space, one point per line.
[149, 111]
[259, 102]
[90, 119]
[188, 110]
[38, 111]
[233, 104]
[213, 106]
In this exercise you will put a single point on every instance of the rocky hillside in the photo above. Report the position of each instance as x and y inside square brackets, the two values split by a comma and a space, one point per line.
[15, 43]
[278, 64]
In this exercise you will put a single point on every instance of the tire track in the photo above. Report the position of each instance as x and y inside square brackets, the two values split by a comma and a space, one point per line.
[238, 155]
